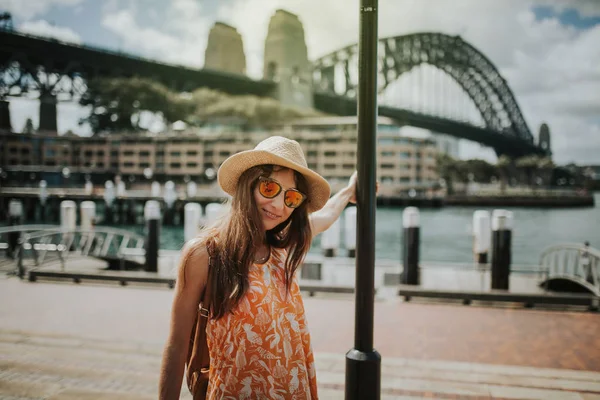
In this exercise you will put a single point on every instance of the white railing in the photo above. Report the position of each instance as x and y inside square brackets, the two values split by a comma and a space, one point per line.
[574, 262]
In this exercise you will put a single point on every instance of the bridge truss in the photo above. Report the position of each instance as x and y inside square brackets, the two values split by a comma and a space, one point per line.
[468, 67]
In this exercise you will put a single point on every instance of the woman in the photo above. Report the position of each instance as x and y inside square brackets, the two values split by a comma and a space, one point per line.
[257, 334]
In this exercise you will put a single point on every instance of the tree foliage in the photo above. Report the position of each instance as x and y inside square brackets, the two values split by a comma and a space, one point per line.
[117, 103]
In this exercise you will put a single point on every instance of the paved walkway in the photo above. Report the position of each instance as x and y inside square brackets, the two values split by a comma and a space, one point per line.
[66, 341]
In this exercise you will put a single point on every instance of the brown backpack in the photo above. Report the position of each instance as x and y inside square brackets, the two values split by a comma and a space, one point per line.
[198, 359]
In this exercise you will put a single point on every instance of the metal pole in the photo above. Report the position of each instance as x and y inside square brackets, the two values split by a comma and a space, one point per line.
[363, 362]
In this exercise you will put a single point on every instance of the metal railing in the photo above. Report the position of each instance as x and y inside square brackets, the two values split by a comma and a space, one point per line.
[42, 245]
[573, 262]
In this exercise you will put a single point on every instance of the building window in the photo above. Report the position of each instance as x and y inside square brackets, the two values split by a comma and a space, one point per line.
[175, 154]
[329, 166]
[100, 165]
[224, 153]
[208, 153]
[311, 153]
[387, 153]
[100, 153]
[192, 165]
[192, 153]
[330, 154]
[175, 165]
[144, 153]
[128, 165]
[404, 154]
[128, 153]
[348, 166]
[388, 166]
[144, 165]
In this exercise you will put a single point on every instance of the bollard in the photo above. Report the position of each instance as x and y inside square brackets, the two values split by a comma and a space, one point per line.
[350, 231]
[481, 235]
[330, 239]
[410, 254]
[155, 189]
[191, 224]
[68, 222]
[109, 198]
[43, 197]
[88, 188]
[88, 215]
[169, 197]
[121, 190]
[501, 248]
[68, 215]
[152, 217]
[192, 189]
[15, 217]
[213, 212]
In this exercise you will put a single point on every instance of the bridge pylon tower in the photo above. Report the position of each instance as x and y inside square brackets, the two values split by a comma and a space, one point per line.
[225, 50]
[286, 60]
[48, 103]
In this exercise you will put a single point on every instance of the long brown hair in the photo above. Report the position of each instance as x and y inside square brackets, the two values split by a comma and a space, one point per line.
[236, 237]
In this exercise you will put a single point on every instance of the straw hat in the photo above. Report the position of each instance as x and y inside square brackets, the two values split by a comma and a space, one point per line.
[275, 150]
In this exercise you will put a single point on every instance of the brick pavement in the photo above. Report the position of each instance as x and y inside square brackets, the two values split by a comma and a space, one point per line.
[66, 341]
[490, 335]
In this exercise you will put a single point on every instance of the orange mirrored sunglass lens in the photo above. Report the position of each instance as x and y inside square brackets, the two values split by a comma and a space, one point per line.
[293, 199]
[269, 189]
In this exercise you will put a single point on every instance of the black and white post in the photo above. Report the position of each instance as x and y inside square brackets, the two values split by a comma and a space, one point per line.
[152, 217]
[411, 244]
[15, 217]
[191, 224]
[481, 236]
[350, 231]
[330, 240]
[501, 248]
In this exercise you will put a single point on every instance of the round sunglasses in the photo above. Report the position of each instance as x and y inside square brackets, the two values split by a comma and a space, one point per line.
[269, 188]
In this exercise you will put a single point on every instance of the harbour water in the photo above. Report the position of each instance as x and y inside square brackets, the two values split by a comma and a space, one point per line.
[446, 232]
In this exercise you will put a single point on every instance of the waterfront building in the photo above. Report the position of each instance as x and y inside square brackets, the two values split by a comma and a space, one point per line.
[404, 163]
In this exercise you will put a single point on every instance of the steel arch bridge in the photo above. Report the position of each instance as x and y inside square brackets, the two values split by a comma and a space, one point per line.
[505, 127]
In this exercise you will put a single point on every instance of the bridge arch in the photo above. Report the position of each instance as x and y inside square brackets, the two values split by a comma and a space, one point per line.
[466, 65]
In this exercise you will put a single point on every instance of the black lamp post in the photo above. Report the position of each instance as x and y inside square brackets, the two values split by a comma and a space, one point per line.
[363, 362]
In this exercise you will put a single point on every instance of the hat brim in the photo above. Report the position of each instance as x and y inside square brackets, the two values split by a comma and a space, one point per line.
[232, 168]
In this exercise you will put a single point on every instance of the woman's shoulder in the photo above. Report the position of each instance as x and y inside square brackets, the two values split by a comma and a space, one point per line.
[197, 250]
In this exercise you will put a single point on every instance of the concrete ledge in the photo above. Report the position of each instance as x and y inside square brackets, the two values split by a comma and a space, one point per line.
[115, 276]
[528, 299]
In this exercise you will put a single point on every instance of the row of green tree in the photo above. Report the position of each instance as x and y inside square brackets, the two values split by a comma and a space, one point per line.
[532, 170]
[117, 105]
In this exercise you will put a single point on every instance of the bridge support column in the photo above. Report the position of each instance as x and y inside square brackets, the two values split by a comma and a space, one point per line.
[5, 116]
[152, 217]
[501, 248]
[48, 112]
[410, 253]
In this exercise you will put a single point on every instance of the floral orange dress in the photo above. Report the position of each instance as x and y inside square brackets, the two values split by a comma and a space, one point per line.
[262, 349]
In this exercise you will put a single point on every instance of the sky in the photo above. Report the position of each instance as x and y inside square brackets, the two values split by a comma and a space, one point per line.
[548, 51]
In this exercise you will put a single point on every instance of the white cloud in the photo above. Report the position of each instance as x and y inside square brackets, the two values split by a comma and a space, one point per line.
[43, 28]
[27, 9]
[183, 40]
